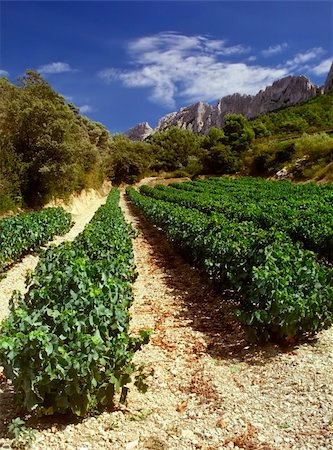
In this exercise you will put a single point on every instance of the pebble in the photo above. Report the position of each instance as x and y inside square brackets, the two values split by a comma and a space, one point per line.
[132, 445]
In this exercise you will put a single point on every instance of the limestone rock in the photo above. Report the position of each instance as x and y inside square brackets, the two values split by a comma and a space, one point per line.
[329, 80]
[195, 118]
[140, 132]
[282, 93]
[200, 117]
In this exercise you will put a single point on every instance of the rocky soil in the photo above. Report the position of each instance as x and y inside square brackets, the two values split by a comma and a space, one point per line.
[210, 388]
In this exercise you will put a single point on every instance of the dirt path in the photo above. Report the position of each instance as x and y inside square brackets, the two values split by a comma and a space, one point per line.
[210, 389]
[15, 277]
[83, 211]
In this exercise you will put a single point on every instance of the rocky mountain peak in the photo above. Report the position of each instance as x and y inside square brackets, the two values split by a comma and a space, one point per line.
[329, 80]
[200, 117]
[195, 118]
[140, 132]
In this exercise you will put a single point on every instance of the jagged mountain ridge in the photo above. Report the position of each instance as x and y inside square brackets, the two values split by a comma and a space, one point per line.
[140, 132]
[200, 117]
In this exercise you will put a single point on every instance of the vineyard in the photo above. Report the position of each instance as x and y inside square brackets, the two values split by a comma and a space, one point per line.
[253, 271]
[65, 344]
[250, 235]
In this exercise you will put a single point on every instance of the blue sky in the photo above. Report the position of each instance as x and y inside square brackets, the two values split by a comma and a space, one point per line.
[128, 62]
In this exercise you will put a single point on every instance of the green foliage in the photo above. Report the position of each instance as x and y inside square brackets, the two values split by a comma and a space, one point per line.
[51, 150]
[302, 211]
[283, 291]
[26, 232]
[65, 344]
[238, 133]
[23, 436]
[316, 146]
[173, 148]
[289, 295]
[128, 161]
[11, 172]
[267, 159]
[315, 114]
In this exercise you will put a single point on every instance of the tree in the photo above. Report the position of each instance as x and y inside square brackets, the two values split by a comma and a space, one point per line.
[172, 148]
[238, 133]
[128, 161]
[58, 151]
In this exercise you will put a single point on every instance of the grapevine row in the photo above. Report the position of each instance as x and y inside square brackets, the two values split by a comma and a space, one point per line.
[65, 343]
[283, 291]
[26, 232]
[305, 221]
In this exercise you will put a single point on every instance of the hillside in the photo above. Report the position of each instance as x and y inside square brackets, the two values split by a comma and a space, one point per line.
[49, 150]
[299, 137]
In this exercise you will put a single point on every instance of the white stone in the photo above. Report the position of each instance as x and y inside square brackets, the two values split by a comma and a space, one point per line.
[131, 445]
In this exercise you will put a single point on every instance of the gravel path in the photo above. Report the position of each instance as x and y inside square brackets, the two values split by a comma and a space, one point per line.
[83, 211]
[210, 389]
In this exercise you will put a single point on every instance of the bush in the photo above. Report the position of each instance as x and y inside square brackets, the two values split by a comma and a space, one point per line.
[289, 295]
[316, 146]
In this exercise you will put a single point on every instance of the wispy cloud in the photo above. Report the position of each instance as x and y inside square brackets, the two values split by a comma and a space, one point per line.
[304, 57]
[3, 73]
[85, 109]
[55, 67]
[274, 50]
[191, 68]
[323, 67]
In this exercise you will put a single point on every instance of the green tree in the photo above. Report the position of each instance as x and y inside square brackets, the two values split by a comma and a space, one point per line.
[128, 161]
[172, 148]
[57, 149]
[238, 133]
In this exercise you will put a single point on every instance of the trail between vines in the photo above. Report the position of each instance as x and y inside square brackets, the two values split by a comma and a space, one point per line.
[15, 277]
[210, 388]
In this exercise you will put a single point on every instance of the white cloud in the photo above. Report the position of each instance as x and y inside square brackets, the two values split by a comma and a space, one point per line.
[323, 67]
[226, 79]
[168, 63]
[3, 73]
[110, 74]
[192, 68]
[274, 49]
[85, 109]
[302, 58]
[55, 67]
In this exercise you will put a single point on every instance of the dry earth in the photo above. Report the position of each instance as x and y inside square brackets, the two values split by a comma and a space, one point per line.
[210, 388]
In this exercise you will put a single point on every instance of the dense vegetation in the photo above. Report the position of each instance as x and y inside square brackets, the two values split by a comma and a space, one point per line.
[26, 232]
[283, 291]
[304, 212]
[47, 149]
[298, 137]
[65, 344]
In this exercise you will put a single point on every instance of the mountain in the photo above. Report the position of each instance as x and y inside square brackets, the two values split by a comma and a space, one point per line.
[140, 132]
[200, 117]
[329, 80]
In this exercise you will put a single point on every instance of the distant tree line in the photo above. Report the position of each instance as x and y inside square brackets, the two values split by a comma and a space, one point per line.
[48, 149]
